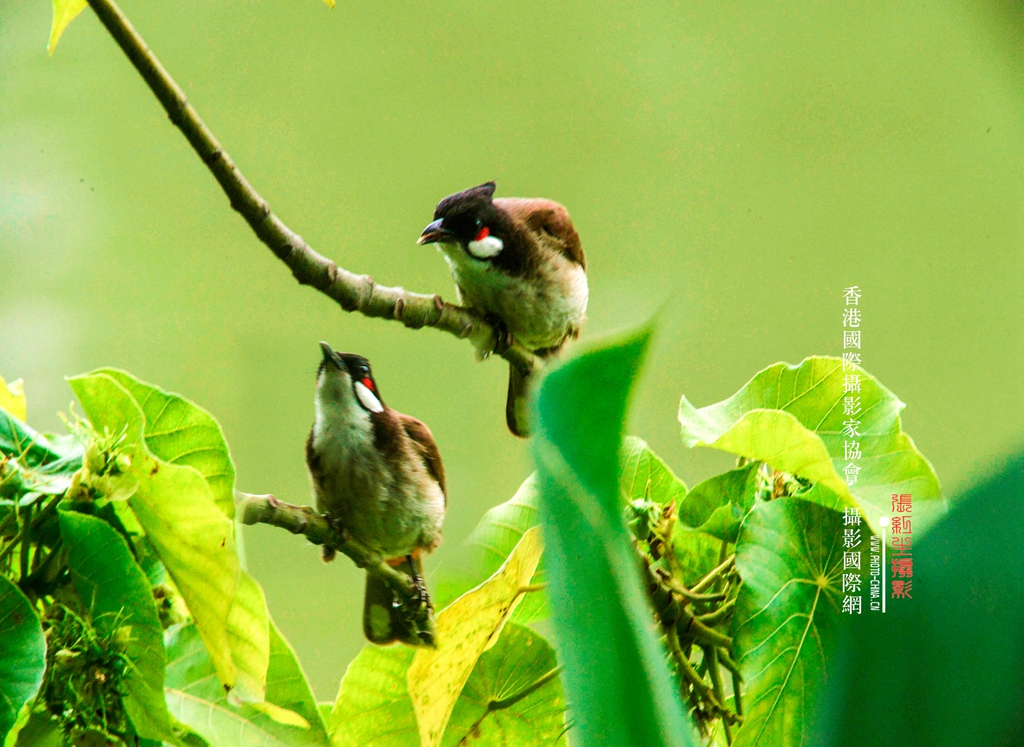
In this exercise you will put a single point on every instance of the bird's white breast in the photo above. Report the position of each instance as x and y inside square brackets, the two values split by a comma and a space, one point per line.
[540, 311]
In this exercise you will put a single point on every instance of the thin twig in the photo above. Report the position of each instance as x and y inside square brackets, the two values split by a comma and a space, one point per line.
[711, 658]
[682, 591]
[353, 292]
[713, 575]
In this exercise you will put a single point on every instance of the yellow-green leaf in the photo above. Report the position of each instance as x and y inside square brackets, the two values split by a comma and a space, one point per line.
[792, 417]
[181, 432]
[175, 506]
[465, 629]
[12, 398]
[64, 12]
[249, 636]
[513, 697]
[487, 547]
[195, 695]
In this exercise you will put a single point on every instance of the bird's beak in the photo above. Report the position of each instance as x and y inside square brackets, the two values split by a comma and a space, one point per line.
[435, 233]
[329, 354]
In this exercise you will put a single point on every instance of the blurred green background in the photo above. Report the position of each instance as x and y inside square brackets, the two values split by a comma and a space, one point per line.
[736, 166]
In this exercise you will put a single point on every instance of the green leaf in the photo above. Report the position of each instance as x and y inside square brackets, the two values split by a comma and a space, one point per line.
[943, 669]
[64, 12]
[22, 654]
[717, 505]
[373, 706]
[196, 697]
[46, 462]
[465, 629]
[736, 486]
[490, 543]
[117, 595]
[792, 418]
[181, 432]
[789, 556]
[324, 709]
[40, 729]
[697, 553]
[645, 475]
[512, 697]
[601, 616]
[195, 541]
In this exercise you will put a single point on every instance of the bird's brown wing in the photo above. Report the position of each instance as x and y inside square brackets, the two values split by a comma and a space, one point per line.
[423, 441]
[550, 221]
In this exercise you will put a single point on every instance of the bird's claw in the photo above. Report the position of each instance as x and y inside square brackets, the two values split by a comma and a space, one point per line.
[503, 339]
[337, 527]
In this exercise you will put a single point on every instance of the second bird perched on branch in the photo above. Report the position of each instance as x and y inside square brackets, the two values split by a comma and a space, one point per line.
[519, 264]
[377, 475]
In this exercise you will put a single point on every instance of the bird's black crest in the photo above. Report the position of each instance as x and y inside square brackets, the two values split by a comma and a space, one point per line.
[468, 199]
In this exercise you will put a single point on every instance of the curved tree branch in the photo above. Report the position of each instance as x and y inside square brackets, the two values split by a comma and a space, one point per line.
[353, 292]
[266, 509]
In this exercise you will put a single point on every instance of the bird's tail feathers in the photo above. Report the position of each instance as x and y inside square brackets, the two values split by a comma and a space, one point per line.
[517, 405]
[386, 619]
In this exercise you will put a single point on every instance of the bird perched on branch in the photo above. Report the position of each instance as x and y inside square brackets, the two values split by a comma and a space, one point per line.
[376, 474]
[519, 264]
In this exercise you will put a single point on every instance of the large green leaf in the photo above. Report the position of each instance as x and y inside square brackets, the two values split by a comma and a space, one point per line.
[616, 676]
[181, 432]
[487, 547]
[117, 595]
[792, 417]
[46, 462]
[645, 475]
[513, 697]
[196, 697]
[193, 538]
[944, 668]
[717, 505]
[465, 629]
[789, 555]
[22, 654]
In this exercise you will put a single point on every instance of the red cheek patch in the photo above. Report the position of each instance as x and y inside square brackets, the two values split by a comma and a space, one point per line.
[368, 383]
[482, 234]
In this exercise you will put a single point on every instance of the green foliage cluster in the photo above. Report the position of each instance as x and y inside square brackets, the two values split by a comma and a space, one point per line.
[651, 614]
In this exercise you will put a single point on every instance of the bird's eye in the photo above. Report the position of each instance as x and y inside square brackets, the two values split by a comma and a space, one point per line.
[478, 222]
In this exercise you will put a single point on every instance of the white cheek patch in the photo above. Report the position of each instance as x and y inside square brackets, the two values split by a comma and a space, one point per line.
[368, 398]
[489, 246]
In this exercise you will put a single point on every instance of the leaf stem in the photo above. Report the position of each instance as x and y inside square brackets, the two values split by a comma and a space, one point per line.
[26, 545]
[714, 574]
[711, 659]
[532, 587]
[353, 292]
[496, 705]
[688, 594]
[718, 615]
